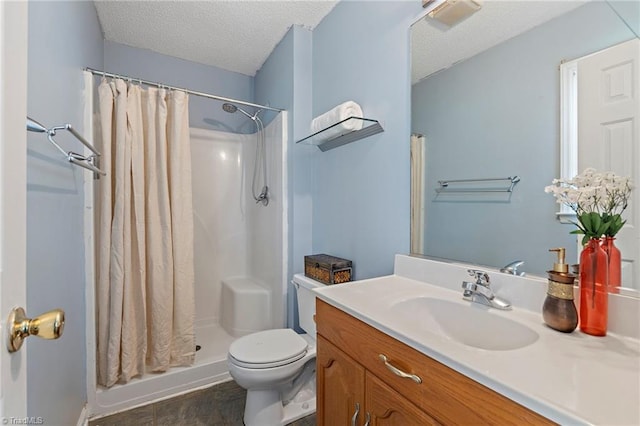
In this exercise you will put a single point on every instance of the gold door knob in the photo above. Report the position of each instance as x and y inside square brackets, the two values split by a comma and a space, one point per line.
[48, 326]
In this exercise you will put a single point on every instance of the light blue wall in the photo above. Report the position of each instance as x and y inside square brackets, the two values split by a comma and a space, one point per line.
[360, 191]
[629, 11]
[302, 165]
[497, 114]
[203, 113]
[64, 37]
[284, 81]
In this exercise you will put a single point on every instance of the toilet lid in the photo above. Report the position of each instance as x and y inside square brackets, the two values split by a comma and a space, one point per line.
[269, 348]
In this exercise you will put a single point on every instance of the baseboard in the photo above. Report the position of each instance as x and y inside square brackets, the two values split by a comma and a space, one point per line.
[83, 420]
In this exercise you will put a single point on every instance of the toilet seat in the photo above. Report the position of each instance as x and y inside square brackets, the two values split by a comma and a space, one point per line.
[268, 349]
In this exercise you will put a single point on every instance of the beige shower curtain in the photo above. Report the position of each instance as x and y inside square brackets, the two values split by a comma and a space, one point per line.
[418, 165]
[145, 294]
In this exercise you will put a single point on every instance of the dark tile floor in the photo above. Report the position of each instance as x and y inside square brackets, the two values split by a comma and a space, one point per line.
[220, 405]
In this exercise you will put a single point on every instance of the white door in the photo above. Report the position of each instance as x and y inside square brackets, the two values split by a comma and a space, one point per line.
[13, 152]
[608, 134]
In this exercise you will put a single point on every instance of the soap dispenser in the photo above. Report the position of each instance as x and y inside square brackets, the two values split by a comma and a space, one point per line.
[559, 312]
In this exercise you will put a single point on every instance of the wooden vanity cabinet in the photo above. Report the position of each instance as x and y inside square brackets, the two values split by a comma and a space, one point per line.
[385, 406]
[351, 395]
[351, 376]
[341, 381]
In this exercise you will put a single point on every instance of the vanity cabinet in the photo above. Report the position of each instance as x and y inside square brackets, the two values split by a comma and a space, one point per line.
[341, 380]
[352, 376]
[354, 396]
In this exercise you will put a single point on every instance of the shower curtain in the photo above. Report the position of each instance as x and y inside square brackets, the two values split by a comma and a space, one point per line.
[145, 290]
[417, 151]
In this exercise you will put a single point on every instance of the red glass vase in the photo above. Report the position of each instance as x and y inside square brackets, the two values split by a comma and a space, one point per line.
[594, 279]
[614, 264]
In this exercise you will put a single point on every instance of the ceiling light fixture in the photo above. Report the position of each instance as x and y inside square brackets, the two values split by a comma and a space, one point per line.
[451, 12]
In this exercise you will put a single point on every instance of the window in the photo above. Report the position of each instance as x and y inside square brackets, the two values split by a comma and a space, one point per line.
[568, 130]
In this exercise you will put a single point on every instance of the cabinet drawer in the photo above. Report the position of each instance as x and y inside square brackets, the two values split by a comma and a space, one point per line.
[447, 395]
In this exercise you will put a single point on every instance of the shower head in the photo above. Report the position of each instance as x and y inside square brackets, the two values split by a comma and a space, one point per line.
[227, 107]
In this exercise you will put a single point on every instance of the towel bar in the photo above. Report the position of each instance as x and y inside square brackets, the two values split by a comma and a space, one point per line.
[88, 163]
[445, 185]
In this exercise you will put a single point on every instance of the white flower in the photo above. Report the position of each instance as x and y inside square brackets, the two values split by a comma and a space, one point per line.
[606, 194]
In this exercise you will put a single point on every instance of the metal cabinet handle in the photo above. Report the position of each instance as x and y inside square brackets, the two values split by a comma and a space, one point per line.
[368, 419]
[397, 371]
[354, 419]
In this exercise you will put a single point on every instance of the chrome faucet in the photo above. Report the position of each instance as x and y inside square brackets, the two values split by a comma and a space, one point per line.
[480, 291]
[512, 268]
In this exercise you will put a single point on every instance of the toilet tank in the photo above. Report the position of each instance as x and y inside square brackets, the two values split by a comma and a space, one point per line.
[306, 302]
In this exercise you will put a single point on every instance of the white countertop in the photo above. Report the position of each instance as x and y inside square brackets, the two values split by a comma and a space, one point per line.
[569, 378]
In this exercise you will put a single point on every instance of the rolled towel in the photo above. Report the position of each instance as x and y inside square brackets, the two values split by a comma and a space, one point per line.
[335, 115]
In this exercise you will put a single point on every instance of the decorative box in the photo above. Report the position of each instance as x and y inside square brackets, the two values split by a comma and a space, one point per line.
[328, 269]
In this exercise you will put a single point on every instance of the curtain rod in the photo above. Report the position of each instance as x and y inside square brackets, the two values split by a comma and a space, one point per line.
[191, 92]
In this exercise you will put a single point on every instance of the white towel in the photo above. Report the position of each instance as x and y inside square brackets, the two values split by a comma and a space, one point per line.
[335, 115]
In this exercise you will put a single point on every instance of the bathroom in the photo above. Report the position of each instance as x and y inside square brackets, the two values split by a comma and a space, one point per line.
[305, 74]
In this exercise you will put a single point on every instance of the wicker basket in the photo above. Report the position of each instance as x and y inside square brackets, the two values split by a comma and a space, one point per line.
[328, 269]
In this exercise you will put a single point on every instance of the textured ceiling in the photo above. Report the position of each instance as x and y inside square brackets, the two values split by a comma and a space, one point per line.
[239, 35]
[433, 49]
[235, 35]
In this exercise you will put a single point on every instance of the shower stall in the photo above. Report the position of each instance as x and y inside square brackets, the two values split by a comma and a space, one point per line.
[239, 201]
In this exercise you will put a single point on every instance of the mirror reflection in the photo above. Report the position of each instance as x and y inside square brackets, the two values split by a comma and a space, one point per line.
[493, 111]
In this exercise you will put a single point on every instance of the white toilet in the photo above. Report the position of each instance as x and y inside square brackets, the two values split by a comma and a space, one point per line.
[277, 367]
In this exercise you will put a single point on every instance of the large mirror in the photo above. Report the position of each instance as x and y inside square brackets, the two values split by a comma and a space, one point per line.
[486, 105]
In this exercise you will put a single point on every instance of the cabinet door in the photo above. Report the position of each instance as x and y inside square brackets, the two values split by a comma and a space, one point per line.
[340, 387]
[386, 407]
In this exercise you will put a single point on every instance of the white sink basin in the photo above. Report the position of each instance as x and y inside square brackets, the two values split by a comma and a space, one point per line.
[471, 324]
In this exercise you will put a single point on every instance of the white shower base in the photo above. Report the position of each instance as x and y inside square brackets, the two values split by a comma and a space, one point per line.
[210, 367]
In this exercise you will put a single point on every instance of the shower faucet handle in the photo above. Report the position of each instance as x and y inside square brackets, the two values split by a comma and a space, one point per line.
[263, 197]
